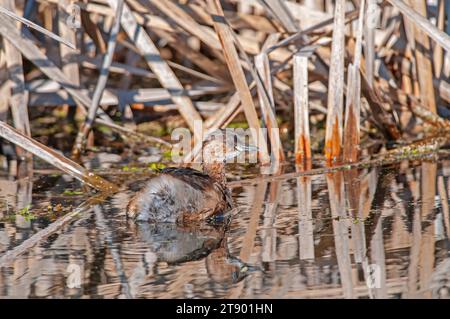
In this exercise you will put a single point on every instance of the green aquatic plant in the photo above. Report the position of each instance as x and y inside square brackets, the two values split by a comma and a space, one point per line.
[156, 166]
[104, 129]
[357, 220]
[167, 155]
[26, 213]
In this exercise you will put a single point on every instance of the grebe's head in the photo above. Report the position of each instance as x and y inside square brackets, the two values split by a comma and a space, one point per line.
[224, 145]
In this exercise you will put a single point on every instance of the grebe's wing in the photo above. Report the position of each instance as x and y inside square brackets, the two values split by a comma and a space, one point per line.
[202, 182]
[185, 171]
[193, 177]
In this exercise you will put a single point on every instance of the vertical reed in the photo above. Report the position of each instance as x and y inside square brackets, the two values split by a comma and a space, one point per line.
[333, 136]
[301, 109]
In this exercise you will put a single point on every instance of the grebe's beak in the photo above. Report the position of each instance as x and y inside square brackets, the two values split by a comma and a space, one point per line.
[231, 155]
[239, 148]
[248, 148]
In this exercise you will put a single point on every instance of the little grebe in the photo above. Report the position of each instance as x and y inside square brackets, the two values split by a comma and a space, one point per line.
[186, 195]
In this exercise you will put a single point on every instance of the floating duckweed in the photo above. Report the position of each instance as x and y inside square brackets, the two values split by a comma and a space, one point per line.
[72, 192]
[127, 168]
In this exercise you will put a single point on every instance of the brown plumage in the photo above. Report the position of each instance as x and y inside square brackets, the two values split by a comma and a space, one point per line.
[186, 195]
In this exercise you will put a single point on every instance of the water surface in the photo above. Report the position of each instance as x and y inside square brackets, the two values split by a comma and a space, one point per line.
[378, 232]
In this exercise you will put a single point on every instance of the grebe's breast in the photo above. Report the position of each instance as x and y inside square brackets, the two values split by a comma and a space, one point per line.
[179, 194]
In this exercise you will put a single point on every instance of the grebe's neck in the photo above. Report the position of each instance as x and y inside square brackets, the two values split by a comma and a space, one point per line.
[216, 171]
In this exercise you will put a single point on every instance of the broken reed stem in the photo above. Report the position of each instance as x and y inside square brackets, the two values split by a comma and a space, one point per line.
[384, 121]
[352, 116]
[333, 134]
[263, 94]
[19, 96]
[54, 158]
[353, 101]
[217, 120]
[315, 5]
[33, 25]
[430, 117]
[279, 11]
[184, 20]
[101, 84]
[438, 55]
[203, 32]
[159, 66]
[423, 24]
[24, 42]
[369, 37]
[268, 110]
[301, 109]
[69, 65]
[359, 35]
[234, 65]
[424, 60]
[350, 15]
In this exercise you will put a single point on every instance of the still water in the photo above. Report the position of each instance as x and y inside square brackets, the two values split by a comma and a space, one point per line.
[377, 232]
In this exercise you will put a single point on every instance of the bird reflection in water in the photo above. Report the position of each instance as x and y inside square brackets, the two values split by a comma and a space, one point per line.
[175, 244]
